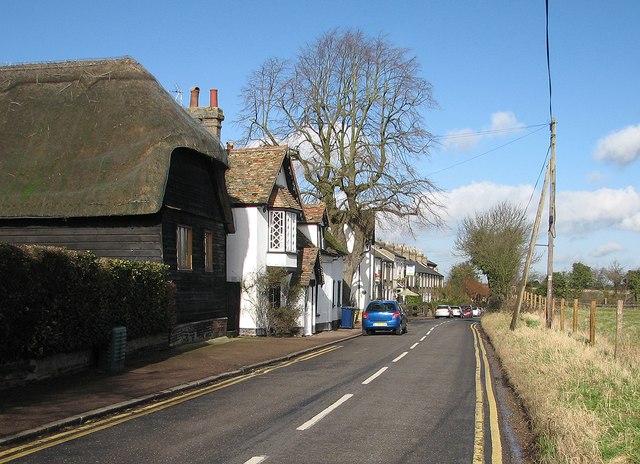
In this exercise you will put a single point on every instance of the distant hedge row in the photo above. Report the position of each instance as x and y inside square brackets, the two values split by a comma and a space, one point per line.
[54, 300]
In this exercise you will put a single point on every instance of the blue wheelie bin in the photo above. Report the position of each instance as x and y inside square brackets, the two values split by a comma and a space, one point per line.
[348, 314]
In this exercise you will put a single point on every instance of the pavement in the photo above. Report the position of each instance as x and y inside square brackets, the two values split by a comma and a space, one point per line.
[50, 405]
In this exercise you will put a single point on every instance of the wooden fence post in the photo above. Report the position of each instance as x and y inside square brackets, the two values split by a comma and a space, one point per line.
[592, 324]
[562, 303]
[619, 316]
[575, 315]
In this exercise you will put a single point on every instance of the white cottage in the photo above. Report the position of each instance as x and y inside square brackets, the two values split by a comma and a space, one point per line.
[274, 239]
[329, 295]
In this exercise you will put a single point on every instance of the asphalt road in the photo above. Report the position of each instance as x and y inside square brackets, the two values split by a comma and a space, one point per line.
[376, 399]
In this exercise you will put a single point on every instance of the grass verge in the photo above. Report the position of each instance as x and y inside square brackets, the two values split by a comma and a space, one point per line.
[584, 406]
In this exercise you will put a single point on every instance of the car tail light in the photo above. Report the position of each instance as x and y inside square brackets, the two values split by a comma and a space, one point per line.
[365, 315]
[396, 314]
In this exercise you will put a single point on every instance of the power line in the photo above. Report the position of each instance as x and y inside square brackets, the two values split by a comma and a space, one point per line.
[539, 128]
[538, 179]
[548, 59]
[487, 132]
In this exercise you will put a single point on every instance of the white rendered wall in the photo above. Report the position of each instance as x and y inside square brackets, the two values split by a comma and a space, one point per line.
[246, 255]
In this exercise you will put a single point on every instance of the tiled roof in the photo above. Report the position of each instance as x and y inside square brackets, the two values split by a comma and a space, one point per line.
[308, 262]
[253, 173]
[282, 198]
[314, 212]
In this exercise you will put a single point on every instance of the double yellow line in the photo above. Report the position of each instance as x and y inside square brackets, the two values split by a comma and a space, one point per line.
[92, 427]
[496, 442]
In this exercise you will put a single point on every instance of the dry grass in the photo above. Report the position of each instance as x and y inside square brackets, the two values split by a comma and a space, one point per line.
[584, 406]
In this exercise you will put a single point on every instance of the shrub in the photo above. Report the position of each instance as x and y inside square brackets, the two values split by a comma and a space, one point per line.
[56, 301]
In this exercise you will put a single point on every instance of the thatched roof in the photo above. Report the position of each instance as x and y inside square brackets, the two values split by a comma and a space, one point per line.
[89, 138]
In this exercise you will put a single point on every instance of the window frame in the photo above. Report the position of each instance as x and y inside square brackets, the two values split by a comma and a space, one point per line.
[208, 250]
[184, 251]
[283, 227]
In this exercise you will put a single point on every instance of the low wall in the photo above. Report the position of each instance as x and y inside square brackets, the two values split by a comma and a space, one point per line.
[21, 372]
[192, 332]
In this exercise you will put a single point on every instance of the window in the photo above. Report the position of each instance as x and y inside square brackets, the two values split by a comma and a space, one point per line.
[208, 251]
[282, 231]
[184, 248]
[275, 294]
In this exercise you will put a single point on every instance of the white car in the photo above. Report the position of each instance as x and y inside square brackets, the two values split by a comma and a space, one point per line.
[476, 312]
[442, 311]
[456, 311]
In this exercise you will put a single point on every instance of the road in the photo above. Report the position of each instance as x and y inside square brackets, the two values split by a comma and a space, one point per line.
[378, 399]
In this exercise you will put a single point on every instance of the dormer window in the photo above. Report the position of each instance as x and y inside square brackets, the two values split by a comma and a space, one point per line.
[282, 231]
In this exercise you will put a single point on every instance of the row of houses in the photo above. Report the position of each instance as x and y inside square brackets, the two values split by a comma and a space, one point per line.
[96, 155]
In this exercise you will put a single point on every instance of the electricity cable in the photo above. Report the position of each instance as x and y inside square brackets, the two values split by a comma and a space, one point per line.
[548, 59]
[539, 128]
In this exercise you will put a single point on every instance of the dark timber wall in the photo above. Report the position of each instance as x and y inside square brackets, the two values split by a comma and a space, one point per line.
[191, 199]
[137, 238]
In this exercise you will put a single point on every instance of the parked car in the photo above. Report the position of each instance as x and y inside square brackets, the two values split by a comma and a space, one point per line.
[477, 311]
[467, 312]
[456, 311]
[442, 311]
[384, 315]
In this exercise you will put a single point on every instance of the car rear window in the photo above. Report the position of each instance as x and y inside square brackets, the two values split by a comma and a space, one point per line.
[381, 307]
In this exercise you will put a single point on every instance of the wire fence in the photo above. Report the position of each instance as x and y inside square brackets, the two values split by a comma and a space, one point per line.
[613, 327]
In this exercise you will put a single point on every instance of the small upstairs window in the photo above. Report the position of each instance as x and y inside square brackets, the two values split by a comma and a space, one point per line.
[282, 231]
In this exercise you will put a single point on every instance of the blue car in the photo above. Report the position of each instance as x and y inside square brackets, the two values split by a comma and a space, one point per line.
[384, 315]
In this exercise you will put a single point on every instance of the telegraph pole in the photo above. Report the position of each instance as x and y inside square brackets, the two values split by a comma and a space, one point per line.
[552, 223]
[532, 245]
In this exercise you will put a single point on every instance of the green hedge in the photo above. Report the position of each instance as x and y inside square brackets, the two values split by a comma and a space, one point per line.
[54, 300]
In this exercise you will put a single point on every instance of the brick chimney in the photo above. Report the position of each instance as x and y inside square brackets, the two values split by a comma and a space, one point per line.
[210, 117]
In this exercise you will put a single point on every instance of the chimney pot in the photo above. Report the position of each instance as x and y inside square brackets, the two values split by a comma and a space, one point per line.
[213, 98]
[195, 93]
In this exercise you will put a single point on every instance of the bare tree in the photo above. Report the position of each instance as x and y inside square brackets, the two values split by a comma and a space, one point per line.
[495, 242]
[352, 106]
[615, 275]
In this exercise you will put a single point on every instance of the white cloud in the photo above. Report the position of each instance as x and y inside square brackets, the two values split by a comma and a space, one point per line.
[462, 139]
[502, 122]
[578, 213]
[607, 249]
[631, 222]
[621, 147]
[581, 217]
[505, 121]
[478, 197]
[603, 209]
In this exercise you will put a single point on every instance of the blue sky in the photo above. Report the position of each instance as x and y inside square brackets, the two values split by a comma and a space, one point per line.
[485, 59]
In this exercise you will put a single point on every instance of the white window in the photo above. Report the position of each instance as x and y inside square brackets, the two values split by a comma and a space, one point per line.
[184, 248]
[282, 231]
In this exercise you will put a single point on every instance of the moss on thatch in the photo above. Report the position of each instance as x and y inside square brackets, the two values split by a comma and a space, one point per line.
[89, 138]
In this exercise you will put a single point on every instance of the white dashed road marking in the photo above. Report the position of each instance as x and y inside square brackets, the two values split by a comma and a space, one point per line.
[372, 378]
[318, 417]
[256, 460]
[401, 356]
